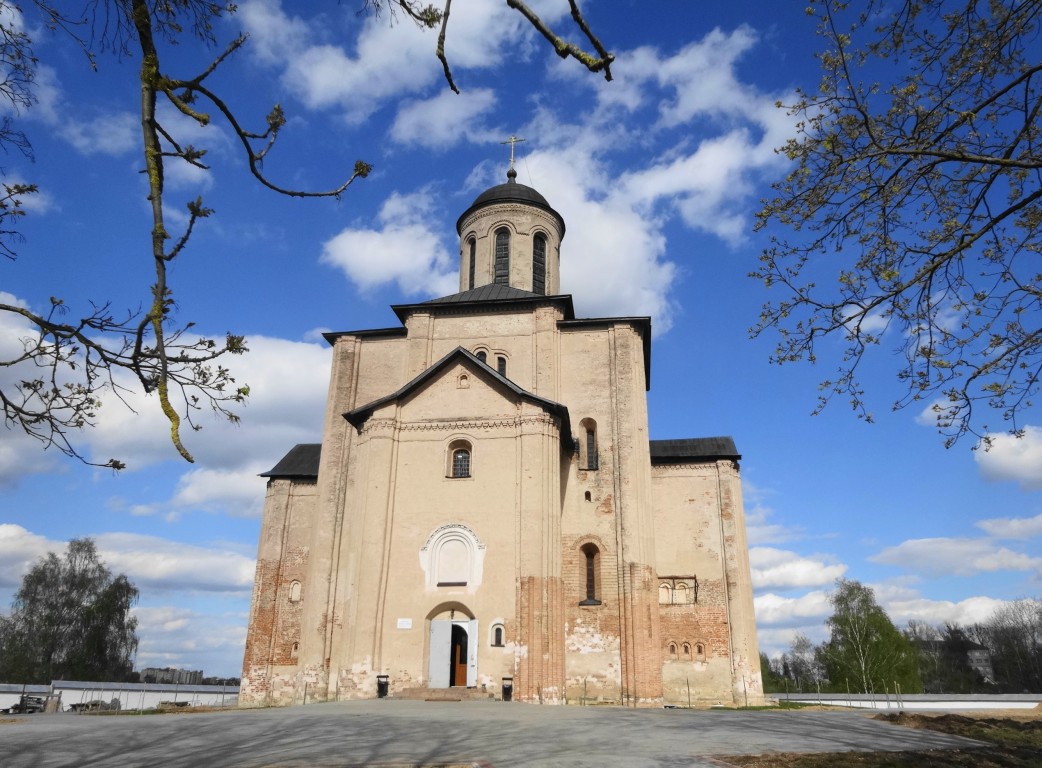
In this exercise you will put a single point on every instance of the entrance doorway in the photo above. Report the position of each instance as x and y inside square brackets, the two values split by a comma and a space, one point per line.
[458, 657]
[453, 653]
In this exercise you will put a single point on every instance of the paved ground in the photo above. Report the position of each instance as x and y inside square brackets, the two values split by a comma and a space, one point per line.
[407, 733]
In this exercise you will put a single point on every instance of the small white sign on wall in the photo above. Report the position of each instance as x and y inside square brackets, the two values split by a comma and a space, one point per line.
[404, 623]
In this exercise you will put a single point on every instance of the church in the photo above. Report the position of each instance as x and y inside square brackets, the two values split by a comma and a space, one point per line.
[487, 514]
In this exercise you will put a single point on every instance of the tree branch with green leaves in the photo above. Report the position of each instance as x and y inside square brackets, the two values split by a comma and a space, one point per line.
[914, 209]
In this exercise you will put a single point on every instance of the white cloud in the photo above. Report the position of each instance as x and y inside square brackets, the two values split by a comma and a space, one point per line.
[404, 251]
[781, 569]
[445, 119]
[956, 556]
[155, 564]
[1013, 458]
[971, 610]
[111, 134]
[772, 609]
[288, 382]
[18, 549]
[390, 57]
[1013, 527]
[37, 202]
[238, 492]
[272, 32]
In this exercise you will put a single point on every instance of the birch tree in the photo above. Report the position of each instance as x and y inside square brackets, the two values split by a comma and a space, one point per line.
[864, 649]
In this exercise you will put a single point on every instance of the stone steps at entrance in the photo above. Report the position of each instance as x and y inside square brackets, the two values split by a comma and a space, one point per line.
[442, 694]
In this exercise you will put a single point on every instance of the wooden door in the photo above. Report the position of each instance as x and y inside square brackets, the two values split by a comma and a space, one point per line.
[458, 671]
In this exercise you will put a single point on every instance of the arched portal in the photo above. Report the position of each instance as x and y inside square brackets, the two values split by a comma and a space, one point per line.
[452, 655]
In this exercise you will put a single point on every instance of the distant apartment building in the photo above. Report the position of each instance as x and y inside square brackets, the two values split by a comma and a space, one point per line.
[979, 658]
[172, 676]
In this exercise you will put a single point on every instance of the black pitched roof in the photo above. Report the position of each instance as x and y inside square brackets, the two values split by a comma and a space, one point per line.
[693, 449]
[358, 416]
[301, 462]
[479, 298]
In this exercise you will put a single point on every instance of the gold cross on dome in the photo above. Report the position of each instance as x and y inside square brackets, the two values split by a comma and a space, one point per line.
[512, 141]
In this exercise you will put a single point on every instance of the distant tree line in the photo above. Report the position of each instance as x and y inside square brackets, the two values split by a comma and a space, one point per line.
[866, 653]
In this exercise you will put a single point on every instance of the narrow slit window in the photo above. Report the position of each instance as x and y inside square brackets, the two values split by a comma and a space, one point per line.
[471, 267]
[501, 365]
[588, 449]
[539, 265]
[502, 271]
[592, 557]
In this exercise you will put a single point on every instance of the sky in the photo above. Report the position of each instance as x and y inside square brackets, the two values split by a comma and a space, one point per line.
[658, 175]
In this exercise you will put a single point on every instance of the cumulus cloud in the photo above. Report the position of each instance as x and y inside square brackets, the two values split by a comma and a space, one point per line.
[971, 610]
[781, 569]
[773, 609]
[18, 549]
[162, 565]
[1013, 458]
[1013, 527]
[616, 220]
[386, 62]
[110, 134]
[956, 556]
[405, 250]
[445, 119]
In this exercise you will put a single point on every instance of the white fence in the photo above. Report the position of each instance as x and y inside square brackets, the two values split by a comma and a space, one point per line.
[918, 701]
[130, 695]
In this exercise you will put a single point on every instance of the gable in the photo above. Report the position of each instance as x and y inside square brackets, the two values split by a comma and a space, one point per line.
[438, 393]
[457, 393]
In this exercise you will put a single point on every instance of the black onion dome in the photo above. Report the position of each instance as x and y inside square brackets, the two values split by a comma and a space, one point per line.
[511, 192]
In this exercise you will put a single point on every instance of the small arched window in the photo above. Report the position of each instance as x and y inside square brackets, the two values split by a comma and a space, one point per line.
[471, 266]
[459, 463]
[295, 650]
[665, 594]
[497, 636]
[680, 597]
[502, 270]
[294, 591]
[592, 557]
[673, 651]
[700, 651]
[687, 651]
[501, 365]
[482, 355]
[588, 445]
[539, 264]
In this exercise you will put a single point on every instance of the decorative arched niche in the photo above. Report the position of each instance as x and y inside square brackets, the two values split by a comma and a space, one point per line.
[453, 556]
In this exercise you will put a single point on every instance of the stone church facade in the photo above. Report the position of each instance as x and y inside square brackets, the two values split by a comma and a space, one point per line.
[486, 509]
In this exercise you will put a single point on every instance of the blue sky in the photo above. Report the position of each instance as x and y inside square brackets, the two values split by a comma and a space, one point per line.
[658, 175]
